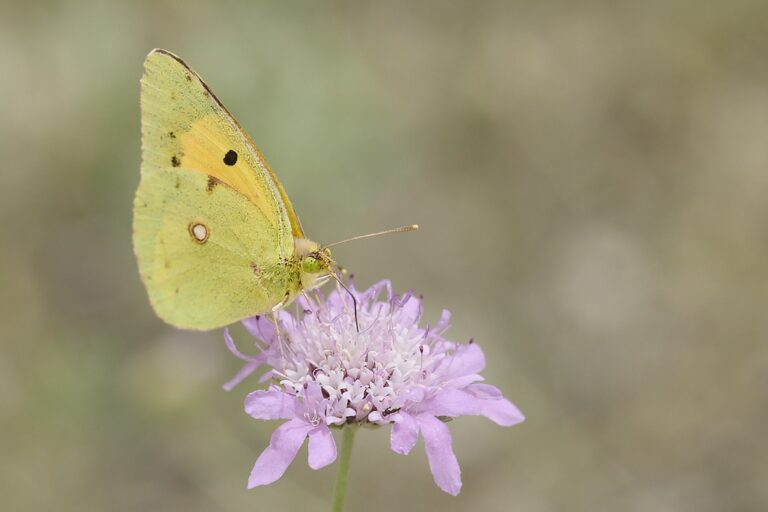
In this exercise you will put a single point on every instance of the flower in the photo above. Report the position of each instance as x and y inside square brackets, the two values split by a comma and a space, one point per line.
[393, 371]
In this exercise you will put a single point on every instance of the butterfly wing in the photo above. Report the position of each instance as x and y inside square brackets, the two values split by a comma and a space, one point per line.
[213, 228]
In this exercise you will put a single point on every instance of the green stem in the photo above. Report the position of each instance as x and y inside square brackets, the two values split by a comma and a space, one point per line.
[347, 439]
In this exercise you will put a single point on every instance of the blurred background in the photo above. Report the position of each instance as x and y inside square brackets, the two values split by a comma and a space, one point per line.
[591, 181]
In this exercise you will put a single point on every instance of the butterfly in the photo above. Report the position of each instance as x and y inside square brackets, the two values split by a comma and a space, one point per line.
[215, 234]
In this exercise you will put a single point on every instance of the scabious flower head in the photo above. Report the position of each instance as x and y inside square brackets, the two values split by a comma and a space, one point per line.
[393, 371]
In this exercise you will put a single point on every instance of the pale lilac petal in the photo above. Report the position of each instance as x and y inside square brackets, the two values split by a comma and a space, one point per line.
[502, 412]
[322, 447]
[413, 395]
[495, 407]
[463, 381]
[334, 420]
[285, 319]
[452, 403]
[313, 393]
[245, 371]
[235, 351]
[260, 327]
[270, 404]
[252, 362]
[442, 461]
[458, 402]
[335, 302]
[467, 359]
[410, 309]
[444, 322]
[485, 391]
[267, 377]
[405, 433]
[373, 292]
[283, 447]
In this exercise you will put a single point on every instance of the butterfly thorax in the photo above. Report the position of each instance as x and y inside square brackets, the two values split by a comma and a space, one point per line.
[315, 263]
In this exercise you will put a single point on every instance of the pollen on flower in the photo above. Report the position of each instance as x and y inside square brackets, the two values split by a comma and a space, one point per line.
[392, 371]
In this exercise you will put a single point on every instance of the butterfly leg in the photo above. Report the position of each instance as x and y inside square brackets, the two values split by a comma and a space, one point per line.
[310, 304]
[280, 343]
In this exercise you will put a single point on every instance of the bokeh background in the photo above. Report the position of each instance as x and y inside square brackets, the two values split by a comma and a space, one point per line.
[591, 179]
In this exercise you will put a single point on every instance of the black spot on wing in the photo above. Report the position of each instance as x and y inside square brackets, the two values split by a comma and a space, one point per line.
[175, 161]
[172, 135]
[230, 158]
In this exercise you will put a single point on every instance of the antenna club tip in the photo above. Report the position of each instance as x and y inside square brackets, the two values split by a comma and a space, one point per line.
[414, 227]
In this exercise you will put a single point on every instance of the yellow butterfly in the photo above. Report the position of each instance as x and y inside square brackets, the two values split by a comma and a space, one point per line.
[215, 235]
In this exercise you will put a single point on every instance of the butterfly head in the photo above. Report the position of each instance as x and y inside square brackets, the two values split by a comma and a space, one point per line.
[315, 263]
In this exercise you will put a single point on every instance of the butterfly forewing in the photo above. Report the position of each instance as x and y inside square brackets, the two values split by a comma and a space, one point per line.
[213, 229]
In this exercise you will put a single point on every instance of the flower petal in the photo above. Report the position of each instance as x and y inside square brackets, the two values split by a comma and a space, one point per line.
[442, 460]
[232, 347]
[502, 412]
[485, 391]
[271, 404]
[495, 407]
[313, 394]
[252, 362]
[466, 360]
[373, 292]
[245, 371]
[285, 319]
[463, 381]
[267, 376]
[463, 402]
[283, 447]
[322, 447]
[410, 309]
[443, 323]
[405, 433]
[452, 403]
[260, 327]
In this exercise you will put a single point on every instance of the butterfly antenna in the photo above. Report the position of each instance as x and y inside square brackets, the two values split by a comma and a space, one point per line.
[401, 229]
[354, 300]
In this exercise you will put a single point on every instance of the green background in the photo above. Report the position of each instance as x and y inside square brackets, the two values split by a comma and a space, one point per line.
[591, 180]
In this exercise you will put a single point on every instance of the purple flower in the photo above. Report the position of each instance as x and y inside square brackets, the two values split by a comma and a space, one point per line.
[391, 372]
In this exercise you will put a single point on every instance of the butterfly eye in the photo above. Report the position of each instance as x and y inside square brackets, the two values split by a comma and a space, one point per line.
[311, 265]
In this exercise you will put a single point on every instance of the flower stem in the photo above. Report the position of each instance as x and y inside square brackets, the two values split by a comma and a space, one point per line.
[347, 439]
